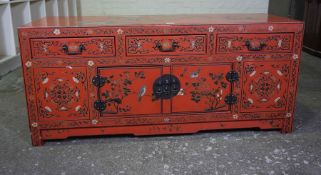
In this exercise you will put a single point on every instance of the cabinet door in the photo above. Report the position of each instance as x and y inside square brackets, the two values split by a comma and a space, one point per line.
[129, 91]
[265, 86]
[203, 88]
[61, 93]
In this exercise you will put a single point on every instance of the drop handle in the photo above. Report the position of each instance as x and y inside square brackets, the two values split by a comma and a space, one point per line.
[73, 50]
[166, 46]
[254, 45]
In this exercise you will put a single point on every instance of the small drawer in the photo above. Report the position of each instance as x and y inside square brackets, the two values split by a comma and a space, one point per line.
[166, 45]
[235, 43]
[73, 47]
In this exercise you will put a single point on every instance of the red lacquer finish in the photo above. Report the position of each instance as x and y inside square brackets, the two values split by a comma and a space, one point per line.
[166, 45]
[238, 43]
[203, 88]
[73, 47]
[61, 93]
[265, 86]
[148, 75]
[128, 91]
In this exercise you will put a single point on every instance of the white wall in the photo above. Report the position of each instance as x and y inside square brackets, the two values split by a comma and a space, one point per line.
[150, 7]
[14, 13]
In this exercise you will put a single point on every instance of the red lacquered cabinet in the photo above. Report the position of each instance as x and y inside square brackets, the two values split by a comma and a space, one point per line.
[149, 75]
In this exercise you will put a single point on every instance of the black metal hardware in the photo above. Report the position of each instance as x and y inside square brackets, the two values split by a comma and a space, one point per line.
[98, 81]
[81, 48]
[166, 46]
[166, 87]
[232, 76]
[250, 46]
[230, 99]
[99, 105]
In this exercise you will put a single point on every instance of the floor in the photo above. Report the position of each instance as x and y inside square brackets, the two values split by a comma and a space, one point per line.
[220, 152]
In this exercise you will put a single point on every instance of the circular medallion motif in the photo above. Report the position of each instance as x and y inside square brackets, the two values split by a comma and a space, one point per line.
[265, 86]
[61, 94]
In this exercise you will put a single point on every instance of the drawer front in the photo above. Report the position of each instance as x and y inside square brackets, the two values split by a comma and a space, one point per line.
[166, 45]
[235, 43]
[73, 47]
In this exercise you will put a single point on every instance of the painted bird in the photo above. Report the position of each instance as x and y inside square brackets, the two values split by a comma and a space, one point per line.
[195, 74]
[141, 93]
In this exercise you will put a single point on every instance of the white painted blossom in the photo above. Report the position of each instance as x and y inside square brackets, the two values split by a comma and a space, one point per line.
[56, 32]
[91, 63]
[120, 31]
[28, 64]
[239, 58]
[94, 122]
[167, 60]
[295, 56]
[34, 124]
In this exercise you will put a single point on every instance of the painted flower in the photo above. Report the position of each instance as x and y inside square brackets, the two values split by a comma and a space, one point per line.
[34, 124]
[270, 28]
[91, 63]
[211, 29]
[235, 116]
[28, 64]
[295, 56]
[120, 31]
[239, 58]
[94, 122]
[56, 32]
[167, 60]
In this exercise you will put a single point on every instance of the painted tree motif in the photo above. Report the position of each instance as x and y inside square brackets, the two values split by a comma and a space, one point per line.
[119, 89]
[206, 86]
[202, 90]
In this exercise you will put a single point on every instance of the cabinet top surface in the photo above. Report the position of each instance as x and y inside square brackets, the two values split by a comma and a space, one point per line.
[195, 19]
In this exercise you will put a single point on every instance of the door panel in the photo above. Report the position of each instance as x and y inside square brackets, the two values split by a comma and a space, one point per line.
[265, 86]
[61, 93]
[129, 91]
[203, 88]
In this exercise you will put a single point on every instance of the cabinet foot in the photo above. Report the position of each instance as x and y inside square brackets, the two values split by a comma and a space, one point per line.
[36, 138]
[287, 126]
[38, 142]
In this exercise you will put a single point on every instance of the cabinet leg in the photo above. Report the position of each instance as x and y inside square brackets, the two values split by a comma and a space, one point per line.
[287, 126]
[36, 138]
[37, 142]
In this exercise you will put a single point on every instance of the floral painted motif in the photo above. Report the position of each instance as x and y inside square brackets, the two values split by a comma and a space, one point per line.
[212, 94]
[126, 91]
[205, 86]
[92, 47]
[119, 89]
[236, 43]
[147, 45]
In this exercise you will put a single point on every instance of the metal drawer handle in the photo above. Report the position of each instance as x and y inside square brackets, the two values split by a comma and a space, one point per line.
[166, 46]
[254, 46]
[74, 51]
